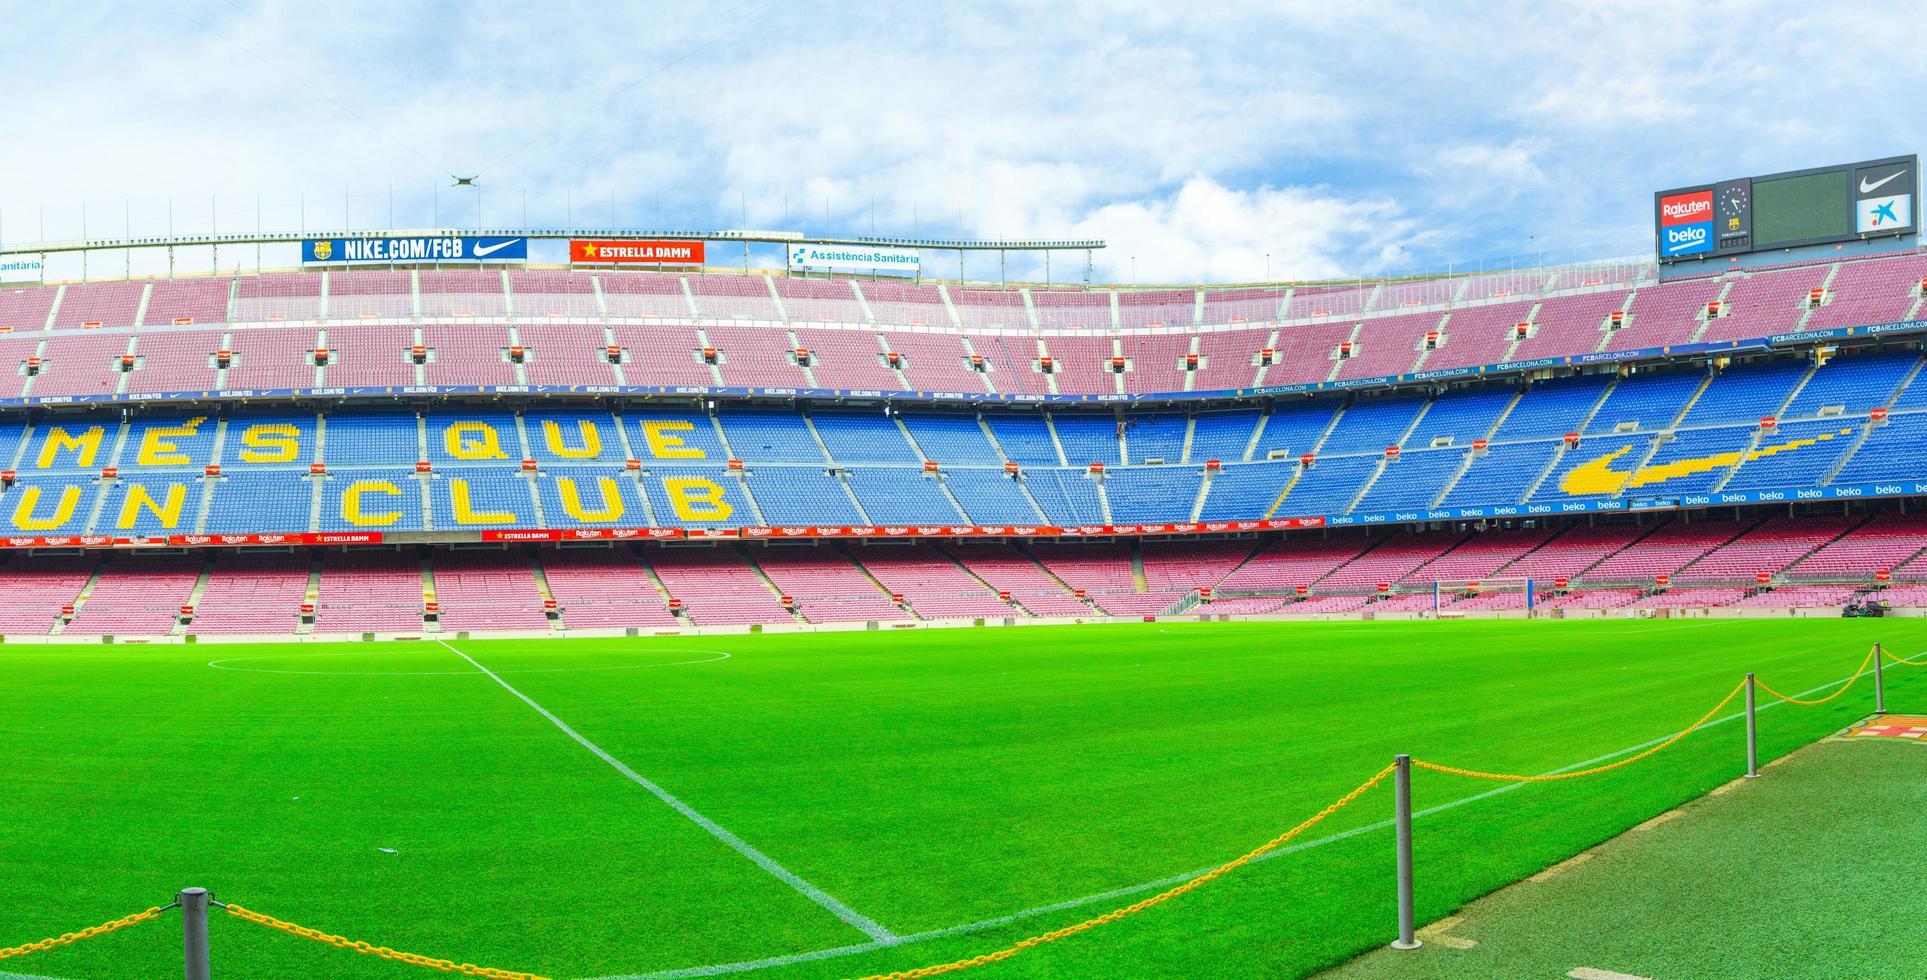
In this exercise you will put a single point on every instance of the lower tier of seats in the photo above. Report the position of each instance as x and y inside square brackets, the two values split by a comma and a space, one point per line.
[1737, 560]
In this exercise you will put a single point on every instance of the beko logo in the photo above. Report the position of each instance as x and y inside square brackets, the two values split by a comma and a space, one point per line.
[1681, 239]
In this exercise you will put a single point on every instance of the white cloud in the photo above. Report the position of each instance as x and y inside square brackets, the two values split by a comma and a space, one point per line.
[1206, 231]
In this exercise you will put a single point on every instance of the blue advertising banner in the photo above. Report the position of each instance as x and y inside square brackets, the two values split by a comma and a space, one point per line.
[453, 248]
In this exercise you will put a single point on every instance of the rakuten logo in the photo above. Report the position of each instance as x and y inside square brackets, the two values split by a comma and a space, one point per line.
[1682, 208]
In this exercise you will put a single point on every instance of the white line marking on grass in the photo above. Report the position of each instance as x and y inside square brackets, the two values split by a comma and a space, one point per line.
[1170, 880]
[716, 830]
[222, 665]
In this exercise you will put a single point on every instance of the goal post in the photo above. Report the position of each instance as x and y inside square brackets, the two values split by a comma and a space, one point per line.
[1523, 586]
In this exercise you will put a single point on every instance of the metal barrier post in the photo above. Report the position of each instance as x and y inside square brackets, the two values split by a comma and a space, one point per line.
[194, 950]
[1402, 805]
[1752, 735]
[1879, 689]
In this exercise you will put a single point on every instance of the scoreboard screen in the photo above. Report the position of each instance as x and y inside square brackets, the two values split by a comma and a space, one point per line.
[1809, 207]
[1849, 202]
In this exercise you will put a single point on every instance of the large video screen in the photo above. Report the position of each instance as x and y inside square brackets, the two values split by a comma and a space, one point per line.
[1799, 209]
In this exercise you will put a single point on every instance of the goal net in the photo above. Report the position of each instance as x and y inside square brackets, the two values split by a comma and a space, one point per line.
[1483, 595]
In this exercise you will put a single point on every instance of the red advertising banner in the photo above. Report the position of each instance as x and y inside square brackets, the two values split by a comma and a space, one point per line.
[597, 252]
[665, 533]
[587, 534]
[192, 540]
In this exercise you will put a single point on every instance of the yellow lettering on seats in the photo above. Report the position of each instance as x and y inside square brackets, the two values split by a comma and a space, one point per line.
[487, 443]
[465, 511]
[351, 504]
[610, 511]
[85, 445]
[697, 499]
[270, 442]
[138, 498]
[591, 439]
[24, 519]
[665, 446]
[159, 449]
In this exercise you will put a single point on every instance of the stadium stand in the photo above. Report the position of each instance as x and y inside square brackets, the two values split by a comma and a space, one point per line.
[1733, 423]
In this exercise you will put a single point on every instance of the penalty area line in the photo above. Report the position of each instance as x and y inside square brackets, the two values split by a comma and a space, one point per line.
[849, 915]
[743, 966]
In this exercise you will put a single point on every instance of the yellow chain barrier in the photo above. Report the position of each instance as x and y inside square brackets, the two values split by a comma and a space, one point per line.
[1516, 778]
[342, 942]
[1857, 671]
[65, 939]
[1132, 909]
[1903, 661]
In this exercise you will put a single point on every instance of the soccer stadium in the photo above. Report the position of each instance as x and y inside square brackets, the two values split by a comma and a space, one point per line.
[579, 596]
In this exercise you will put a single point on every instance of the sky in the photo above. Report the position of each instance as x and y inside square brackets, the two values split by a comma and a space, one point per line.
[1218, 142]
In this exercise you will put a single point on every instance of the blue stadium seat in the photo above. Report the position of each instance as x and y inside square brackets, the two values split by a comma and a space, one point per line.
[796, 495]
[892, 495]
[697, 485]
[249, 502]
[1294, 427]
[1329, 486]
[1552, 408]
[50, 505]
[863, 437]
[582, 496]
[494, 498]
[1223, 436]
[1141, 494]
[952, 439]
[1158, 435]
[1087, 438]
[1413, 480]
[571, 438]
[770, 437]
[1797, 454]
[1244, 491]
[1371, 424]
[371, 500]
[1068, 497]
[1025, 439]
[374, 439]
[1652, 400]
[1745, 392]
[990, 497]
[1853, 383]
[1461, 416]
[1502, 475]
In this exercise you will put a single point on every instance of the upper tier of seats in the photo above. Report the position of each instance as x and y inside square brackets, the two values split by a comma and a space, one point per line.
[515, 327]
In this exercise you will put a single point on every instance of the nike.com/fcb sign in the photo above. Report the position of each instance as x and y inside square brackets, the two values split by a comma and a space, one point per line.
[441, 249]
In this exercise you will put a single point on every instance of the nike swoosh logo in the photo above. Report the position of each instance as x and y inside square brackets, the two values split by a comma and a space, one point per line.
[483, 250]
[1596, 476]
[1866, 188]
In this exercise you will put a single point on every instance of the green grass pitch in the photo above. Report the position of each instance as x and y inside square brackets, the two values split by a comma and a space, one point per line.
[960, 789]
